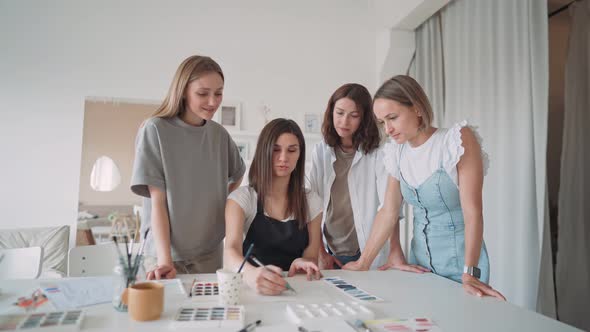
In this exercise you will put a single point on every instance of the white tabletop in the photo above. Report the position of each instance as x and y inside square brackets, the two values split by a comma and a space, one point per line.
[406, 295]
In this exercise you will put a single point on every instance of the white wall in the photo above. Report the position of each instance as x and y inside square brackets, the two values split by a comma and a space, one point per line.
[289, 55]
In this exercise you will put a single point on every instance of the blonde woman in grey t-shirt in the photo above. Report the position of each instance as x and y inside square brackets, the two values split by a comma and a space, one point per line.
[185, 166]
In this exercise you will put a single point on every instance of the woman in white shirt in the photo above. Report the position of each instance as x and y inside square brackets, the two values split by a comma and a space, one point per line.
[440, 173]
[349, 175]
[274, 212]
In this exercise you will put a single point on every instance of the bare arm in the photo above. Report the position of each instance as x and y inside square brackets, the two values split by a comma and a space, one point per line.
[161, 233]
[309, 260]
[470, 174]
[395, 248]
[383, 227]
[234, 225]
[315, 239]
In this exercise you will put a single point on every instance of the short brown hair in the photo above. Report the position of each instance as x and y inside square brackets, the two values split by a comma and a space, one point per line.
[260, 175]
[406, 91]
[367, 135]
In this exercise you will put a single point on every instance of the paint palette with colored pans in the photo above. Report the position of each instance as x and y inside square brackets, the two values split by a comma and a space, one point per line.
[205, 290]
[351, 290]
[306, 313]
[402, 325]
[209, 317]
[58, 321]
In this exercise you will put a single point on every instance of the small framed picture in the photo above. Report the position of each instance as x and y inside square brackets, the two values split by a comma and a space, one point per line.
[229, 115]
[312, 123]
[244, 149]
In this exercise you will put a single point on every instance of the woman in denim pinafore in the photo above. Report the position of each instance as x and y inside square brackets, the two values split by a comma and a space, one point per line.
[440, 173]
[438, 241]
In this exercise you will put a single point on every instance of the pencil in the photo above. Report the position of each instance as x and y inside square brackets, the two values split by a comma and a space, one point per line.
[246, 256]
[259, 263]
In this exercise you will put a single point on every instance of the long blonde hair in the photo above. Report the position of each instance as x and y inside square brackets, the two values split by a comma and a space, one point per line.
[189, 70]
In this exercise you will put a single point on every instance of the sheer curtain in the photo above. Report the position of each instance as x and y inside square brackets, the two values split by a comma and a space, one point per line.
[495, 75]
[573, 242]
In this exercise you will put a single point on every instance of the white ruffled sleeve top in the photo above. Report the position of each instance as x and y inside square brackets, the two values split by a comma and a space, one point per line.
[443, 149]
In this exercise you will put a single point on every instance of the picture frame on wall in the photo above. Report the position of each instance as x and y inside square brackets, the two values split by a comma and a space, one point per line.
[229, 115]
[312, 123]
[244, 149]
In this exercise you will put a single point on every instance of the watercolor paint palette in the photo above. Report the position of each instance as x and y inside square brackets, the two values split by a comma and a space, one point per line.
[204, 290]
[209, 317]
[58, 321]
[402, 325]
[306, 313]
[352, 290]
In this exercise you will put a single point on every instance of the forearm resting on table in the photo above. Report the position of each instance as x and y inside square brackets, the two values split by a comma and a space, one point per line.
[382, 229]
[160, 226]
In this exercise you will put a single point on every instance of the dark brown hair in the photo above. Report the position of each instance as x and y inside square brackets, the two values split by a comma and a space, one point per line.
[406, 91]
[367, 136]
[260, 175]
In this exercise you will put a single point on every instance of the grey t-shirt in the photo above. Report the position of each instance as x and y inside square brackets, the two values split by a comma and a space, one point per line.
[194, 166]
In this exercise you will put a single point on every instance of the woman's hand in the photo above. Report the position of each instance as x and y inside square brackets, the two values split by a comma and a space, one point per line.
[401, 264]
[310, 268]
[475, 287]
[327, 261]
[165, 271]
[357, 265]
[266, 281]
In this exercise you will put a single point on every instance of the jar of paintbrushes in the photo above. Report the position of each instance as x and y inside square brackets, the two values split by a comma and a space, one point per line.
[126, 270]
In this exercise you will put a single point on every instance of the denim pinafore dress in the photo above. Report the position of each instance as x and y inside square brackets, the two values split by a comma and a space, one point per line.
[438, 241]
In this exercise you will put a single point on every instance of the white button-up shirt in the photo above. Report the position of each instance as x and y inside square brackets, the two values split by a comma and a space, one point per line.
[367, 181]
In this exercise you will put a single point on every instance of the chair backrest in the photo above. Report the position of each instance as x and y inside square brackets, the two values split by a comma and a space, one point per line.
[21, 263]
[54, 241]
[92, 261]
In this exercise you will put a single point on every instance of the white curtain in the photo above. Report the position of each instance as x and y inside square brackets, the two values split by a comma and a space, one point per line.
[428, 65]
[573, 243]
[496, 76]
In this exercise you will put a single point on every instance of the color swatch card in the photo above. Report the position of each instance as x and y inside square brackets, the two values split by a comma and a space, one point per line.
[307, 313]
[402, 325]
[205, 290]
[209, 317]
[58, 321]
[352, 290]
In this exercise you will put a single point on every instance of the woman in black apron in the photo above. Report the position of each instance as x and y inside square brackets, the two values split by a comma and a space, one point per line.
[274, 212]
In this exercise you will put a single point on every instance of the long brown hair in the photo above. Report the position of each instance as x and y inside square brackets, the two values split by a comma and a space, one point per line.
[260, 175]
[406, 91]
[189, 70]
[367, 136]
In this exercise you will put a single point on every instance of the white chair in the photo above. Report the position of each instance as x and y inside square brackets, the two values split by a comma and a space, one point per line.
[21, 263]
[92, 261]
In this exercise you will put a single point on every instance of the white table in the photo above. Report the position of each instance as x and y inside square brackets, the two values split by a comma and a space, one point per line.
[406, 294]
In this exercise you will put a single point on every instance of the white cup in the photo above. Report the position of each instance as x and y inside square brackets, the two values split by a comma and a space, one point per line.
[230, 287]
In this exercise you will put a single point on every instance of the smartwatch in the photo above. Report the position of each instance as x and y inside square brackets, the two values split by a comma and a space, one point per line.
[472, 270]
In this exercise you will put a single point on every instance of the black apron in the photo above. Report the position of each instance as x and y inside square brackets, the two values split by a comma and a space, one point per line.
[275, 242]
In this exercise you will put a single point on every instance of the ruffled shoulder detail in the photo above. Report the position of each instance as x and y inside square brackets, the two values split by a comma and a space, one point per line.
[455, 150]
[390, 155]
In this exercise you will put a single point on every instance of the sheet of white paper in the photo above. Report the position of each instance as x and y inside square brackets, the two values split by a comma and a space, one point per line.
[78, 292]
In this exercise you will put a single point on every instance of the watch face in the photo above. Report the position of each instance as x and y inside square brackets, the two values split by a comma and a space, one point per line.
[476, 272]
